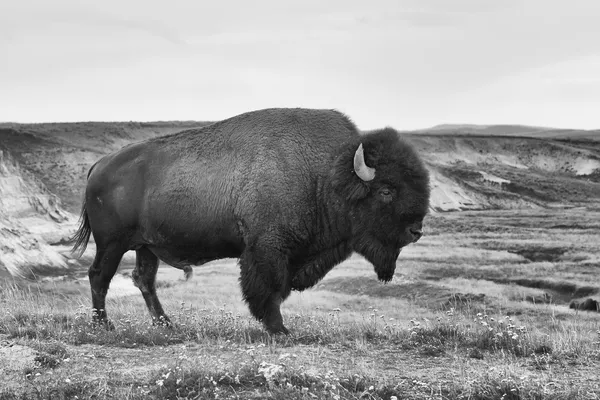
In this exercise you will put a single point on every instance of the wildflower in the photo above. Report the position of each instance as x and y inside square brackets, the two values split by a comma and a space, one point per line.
[160, 382]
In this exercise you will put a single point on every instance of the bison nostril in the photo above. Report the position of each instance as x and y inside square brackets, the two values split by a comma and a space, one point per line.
[417, 233]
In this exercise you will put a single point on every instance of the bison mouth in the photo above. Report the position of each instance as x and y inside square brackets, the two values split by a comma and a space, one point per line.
[382, 257]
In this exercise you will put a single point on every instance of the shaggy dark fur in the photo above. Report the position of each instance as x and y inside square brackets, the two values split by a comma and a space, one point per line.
[275, 188]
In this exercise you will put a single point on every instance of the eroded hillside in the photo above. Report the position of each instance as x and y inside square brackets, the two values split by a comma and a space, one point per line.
[43, 175]
[31, 217]
[486, 172]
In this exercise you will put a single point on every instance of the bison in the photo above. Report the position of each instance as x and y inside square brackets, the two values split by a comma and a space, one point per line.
[290, 192]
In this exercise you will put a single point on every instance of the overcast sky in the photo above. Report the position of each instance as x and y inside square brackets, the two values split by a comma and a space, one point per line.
[403, 63]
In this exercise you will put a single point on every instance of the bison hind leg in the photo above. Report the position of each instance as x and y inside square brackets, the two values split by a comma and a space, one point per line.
[100, 274]
[144, 277]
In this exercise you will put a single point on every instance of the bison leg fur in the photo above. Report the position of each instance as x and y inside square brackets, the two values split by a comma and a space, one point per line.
[144, 277]
[101, 272]
[265, 285]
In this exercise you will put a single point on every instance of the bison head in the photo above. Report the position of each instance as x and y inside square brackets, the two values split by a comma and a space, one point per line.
[383, 187]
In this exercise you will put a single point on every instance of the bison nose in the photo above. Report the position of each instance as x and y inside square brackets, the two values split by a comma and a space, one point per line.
[417, 233]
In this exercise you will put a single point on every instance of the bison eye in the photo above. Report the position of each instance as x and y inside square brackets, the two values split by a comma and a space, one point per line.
[385, 194]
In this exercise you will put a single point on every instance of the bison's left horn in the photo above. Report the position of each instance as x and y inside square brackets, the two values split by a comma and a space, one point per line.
[362, 170]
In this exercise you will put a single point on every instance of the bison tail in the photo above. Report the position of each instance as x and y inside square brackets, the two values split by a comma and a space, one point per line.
[82, 236]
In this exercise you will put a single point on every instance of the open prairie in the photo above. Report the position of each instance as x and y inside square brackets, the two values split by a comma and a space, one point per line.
[478, 309]
[489, 304]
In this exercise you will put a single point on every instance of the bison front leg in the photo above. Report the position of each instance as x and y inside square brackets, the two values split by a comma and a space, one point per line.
[265, 283]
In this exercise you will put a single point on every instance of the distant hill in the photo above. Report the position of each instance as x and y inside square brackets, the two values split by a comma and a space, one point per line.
[509, 130]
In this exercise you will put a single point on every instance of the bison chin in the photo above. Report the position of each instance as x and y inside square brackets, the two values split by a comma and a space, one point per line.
[382, 258]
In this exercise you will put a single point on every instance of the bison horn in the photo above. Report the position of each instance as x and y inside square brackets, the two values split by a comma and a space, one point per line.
[362, 170]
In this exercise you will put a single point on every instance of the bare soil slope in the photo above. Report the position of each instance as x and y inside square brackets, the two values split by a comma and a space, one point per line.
[30, 218]
[483, 172]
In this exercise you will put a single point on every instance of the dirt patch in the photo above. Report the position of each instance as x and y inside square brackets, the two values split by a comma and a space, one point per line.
[533, 253]
[463, 300]
[544, 298]
[439, 273]
[578, 226]
[537, 254]
[527, 192]
[564, 288]
[557, 292]
[15, 357]
[421, 292]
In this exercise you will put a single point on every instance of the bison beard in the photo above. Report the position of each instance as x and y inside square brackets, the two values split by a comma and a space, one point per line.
[383, 259]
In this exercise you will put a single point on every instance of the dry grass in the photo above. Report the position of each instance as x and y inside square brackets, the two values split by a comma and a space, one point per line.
[445, 328]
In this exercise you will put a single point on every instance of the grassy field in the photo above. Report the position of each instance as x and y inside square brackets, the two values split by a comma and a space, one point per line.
[478, 309]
